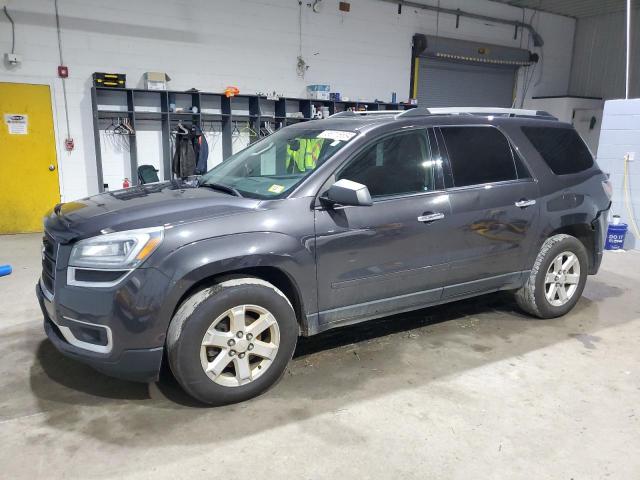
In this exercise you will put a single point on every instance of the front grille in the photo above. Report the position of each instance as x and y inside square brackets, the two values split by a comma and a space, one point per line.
[49, 256]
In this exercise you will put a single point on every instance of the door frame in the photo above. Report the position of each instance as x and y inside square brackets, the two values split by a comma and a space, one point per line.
[361, 311]
[491, 282]
[27, 80]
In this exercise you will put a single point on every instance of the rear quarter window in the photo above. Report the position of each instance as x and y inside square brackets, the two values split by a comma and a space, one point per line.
[478, 155]
[562, 149]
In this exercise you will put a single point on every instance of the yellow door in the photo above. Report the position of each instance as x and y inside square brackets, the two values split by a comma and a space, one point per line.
[28, 166]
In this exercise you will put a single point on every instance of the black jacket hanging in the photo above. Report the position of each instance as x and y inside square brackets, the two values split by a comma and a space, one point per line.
[184, 158]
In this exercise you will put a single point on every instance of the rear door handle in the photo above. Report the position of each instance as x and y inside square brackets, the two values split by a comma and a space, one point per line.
[524, 203]
[430, 217]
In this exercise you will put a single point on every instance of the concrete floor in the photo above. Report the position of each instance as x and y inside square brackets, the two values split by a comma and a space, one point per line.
[469, 390]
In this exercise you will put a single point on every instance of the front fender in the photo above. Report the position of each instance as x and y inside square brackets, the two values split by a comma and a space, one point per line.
[203, 259]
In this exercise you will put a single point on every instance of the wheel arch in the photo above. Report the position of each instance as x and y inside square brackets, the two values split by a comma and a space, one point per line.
[283, 260]
[274, 275]
[585, 233]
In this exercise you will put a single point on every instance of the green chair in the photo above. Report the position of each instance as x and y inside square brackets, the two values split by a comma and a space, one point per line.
[147, 174]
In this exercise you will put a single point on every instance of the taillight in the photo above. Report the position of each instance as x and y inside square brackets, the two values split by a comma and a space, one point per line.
[607, 186]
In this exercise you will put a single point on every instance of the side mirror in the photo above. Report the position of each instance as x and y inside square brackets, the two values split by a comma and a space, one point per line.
[347, 193]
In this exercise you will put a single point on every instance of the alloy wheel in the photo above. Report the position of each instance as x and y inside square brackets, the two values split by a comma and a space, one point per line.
[562, 278]
[240, 345]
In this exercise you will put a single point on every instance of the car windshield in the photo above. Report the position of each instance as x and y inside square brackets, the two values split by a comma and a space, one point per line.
[275, 165]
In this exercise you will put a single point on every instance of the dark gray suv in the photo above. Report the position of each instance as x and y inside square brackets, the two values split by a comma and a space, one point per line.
[322, 224]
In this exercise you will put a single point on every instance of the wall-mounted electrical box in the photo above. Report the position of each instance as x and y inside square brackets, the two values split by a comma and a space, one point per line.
[12, 59]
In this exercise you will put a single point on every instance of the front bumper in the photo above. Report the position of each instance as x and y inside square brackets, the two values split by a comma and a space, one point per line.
[141, 365]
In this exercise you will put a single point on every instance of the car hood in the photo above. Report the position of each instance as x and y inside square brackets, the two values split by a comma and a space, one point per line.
[168, 203]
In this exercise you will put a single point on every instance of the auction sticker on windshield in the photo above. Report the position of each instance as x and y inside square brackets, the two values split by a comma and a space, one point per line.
[338, 135]
[275, 188]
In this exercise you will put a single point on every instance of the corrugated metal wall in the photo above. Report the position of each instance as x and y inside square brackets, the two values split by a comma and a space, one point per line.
[598, 66]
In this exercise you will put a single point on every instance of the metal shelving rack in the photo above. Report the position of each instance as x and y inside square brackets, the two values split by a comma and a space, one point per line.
[154, 105]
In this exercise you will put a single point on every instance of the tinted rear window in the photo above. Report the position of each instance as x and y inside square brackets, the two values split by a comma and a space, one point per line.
[478, 155]
[561, 148]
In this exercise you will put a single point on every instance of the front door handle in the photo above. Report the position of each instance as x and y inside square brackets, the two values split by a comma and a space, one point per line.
[430, 217]
[524, 203]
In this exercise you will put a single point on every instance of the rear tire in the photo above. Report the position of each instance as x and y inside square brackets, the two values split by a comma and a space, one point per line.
[557, 278]
[232, 341]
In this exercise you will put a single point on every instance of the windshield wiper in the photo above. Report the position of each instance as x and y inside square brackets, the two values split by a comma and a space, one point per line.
[221, 187]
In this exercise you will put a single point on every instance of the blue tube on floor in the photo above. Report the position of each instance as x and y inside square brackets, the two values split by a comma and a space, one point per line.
[5, 270]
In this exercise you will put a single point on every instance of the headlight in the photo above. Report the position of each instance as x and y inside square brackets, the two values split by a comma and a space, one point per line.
[119, 250]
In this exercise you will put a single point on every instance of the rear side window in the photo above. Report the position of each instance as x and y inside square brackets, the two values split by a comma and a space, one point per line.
[561, 148]
[478, 155]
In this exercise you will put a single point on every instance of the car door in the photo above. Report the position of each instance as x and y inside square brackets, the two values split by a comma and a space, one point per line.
[372, 260]
[493, 208]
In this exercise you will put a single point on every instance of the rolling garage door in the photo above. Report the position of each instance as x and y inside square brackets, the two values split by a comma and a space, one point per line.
[451, 84]
[458, 73]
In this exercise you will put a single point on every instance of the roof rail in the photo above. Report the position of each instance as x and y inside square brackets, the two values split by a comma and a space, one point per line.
[351, 113]
[414, 112]
[485, 111]
[480, 111]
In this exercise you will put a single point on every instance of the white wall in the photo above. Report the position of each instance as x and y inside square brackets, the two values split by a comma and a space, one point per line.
[252, 44]
[620, 134]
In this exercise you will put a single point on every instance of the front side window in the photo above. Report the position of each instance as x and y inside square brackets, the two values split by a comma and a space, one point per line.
[561, 148]
[274, 166]
[398, 164]
[478, 155]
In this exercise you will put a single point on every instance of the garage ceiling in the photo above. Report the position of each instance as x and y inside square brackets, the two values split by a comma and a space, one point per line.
[574, 8]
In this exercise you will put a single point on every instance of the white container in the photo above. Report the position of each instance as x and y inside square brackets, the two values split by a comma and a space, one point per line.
[318, 92]
[156, 80]
[318, 95]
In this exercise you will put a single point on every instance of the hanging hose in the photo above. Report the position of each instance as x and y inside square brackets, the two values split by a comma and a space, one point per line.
[627, 198]
[13, 30]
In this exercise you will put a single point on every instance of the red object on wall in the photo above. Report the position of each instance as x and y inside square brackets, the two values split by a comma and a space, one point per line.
[63, 72]
[125, 183]
[68, 144]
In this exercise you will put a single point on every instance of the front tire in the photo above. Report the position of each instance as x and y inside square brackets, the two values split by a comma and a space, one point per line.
[232, 341]
[557, 278]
